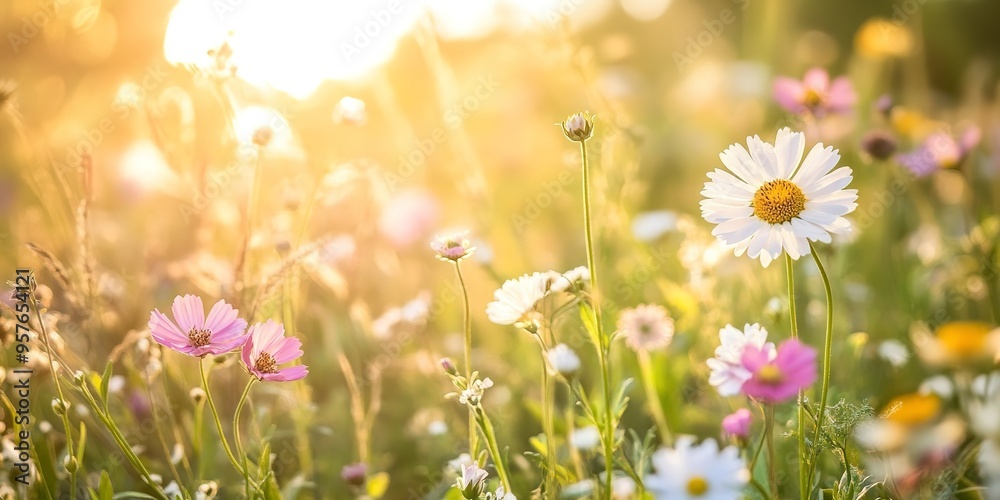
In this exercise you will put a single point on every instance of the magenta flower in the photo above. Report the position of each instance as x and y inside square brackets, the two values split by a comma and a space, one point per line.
[815, 94]
[737, 424]
[194, 334]
[267, 347]
[938, 151]
[777, 380]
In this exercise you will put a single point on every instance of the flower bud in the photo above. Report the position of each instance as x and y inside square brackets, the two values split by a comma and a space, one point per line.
[71, 464]
[578, 127]
[879, 145]
[79, 378]
[354, 474]
[197, 395]
[59, 406]
[449, 366]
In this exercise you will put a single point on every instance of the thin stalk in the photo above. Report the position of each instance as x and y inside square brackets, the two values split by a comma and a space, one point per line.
[800, 425]
[467, 327]
[604, 349]
[218, 421]
[160, 436]
[652, 396]
[70, 449]
[769, 433]
[827, 346]
[491, 444]
[550, 449]
[239, 443]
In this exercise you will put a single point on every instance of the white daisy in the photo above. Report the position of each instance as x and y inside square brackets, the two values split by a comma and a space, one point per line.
[768, 203]
[575, 278]
[646, 327]
[728, 374]
[690, 471]
[895, 352]
[515, 300]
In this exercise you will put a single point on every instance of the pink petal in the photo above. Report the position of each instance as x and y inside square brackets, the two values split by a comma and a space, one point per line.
[165, 331]
[248, 362]
[223, 321]
[288, 374]
[753, 358]
[970, 138]
[788, 93]
[189, 312]
[817, 79]
[841, 97]
[290, 349]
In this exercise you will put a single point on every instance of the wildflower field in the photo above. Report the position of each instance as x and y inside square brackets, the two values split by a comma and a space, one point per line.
[503, 249]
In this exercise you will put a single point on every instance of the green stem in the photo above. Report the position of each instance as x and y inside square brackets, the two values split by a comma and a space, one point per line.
[70, 449]
[769, 433]
[604, 349]
[827, 347]
[491, 444]
[467, 326]
[550, 458]
[652, 396]
[236, 432]
[218, 421]
[800, 425]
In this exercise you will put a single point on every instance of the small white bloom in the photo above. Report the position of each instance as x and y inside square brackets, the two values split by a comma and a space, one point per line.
[984, 408]
[350, 110]
[563, 360]
[989, 467]
[437, 428]
[116, 384]
[579, 489]
[472, 482]
[500, 494]
[586, 438]
[894, 351]
[623, 488]
[690, 471]
[516, 299]
[459, 463]
[771, 201]
[728, 374]
[577, 277]
[646, 327]
[940, 385]
[474, 393]
[648, 226]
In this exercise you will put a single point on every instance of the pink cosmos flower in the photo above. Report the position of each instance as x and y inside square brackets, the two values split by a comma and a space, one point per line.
[194, 334]
[940, 150]
[267, 347]
[779, 379]
[815, 94]
[737, 424]
[409, 216]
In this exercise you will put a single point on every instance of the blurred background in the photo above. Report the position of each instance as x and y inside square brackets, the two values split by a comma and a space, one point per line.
[131, 134]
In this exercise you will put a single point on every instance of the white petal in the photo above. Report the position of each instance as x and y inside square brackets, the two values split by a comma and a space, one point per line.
[788, 148]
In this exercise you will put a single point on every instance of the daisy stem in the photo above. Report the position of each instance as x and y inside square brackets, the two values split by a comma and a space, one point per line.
[236, 433]
[467, 327]
[604, 349]
[70, 449]
[652, 396]
[801, 424]
[827, 346]
[218, 421]
[550, 458]
[491, 444]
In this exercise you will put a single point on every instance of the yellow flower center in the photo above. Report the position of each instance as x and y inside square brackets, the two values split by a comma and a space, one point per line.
[812, 98]
[778, 201]
[199, 337]
[964, 339]
[770, 374]
[913, 409]
[697, 486]
[265, 363]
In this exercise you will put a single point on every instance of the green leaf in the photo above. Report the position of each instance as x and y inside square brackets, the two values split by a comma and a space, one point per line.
[377, 485]
[264, 463]
[128, 495]
[589, 319]
[106, 379]
[82, 446]
[104, 490]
